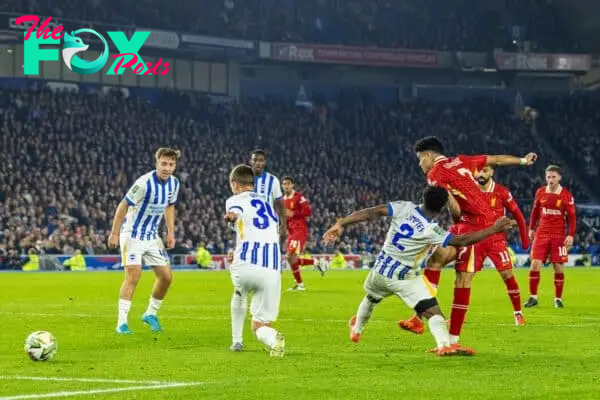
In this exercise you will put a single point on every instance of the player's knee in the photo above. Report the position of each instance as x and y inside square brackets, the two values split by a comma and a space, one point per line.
[558, 268]
[428, 308]
[373, 299]
[463, 279]
[257, 324]
[506, 274]
[132, 275]
[536, 265]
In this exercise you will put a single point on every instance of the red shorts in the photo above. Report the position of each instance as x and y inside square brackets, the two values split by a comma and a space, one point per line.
[295, 242]
[549, 248]
[471, 258]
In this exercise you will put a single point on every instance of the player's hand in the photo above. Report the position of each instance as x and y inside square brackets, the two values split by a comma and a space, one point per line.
[531, 234]
[530, 158]
[230, 217]
[503, 224]
[525, 243]
[289, 213]
[113, 240]
[569, 242]
[333, 233]
[170, 240]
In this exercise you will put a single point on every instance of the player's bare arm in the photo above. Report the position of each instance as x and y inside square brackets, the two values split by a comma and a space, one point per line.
[170, 222]
[281, 213]
[366, 214]
[501, 225]
[504, 160]
[113, 238]
[453, 208]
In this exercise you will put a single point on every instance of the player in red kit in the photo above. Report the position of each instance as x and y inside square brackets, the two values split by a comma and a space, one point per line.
[500, 200]
[552, 203]
[298, 210]
[456, 174]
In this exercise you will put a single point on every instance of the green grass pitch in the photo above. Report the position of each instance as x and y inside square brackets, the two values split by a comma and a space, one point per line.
[556, 356]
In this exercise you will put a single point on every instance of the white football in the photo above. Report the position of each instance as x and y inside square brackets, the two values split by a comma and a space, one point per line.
[41, 346]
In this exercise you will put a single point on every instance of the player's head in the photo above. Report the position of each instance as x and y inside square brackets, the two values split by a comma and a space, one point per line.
[288, 185]
[484, 176]
[553, 175]
[428, 149]
[241, 179]
[258, 160]
[166, 161]
[434, 199]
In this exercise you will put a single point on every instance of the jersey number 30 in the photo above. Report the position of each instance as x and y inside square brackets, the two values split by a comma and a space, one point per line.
[264, 214]
[406, 232]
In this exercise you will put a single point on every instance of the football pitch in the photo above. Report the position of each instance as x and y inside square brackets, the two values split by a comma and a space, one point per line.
[555, 356]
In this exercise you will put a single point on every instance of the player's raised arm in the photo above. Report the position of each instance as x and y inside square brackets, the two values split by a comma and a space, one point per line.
[502, 225]
[504, 160]
[366, 214]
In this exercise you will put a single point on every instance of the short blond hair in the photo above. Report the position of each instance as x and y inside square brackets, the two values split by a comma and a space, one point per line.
[554, 168]
[167, 152]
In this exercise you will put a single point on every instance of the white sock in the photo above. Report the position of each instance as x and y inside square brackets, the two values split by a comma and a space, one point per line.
[153, 306]
[439, 330]
[454, 339]
[533, 296]
[267, 335]
[124, 306]
[239, 304]
[365, 309]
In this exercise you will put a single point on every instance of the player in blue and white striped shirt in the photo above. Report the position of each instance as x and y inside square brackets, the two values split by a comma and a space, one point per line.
[268, 185]
[135, 227]
[256, 265]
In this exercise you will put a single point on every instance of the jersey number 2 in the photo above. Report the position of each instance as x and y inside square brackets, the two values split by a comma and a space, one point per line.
[264, 213]
[406, 232]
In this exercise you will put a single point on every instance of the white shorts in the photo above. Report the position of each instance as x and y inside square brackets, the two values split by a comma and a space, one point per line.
[265, 284]
[411, 291]
[143, 252]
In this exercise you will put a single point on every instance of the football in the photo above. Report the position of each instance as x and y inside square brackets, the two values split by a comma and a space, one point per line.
[41, 346]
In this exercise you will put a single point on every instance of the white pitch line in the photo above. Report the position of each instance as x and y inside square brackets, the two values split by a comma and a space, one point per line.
[306, 320]
[99, 391]
[97, 380]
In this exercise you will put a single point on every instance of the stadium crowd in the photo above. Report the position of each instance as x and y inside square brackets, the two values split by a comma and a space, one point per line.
[66, 160]
[433, 24]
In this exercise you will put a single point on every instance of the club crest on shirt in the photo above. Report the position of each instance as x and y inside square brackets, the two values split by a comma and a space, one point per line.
[558, 202]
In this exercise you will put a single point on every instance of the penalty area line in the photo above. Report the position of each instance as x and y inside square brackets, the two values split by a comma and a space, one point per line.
[101, 391]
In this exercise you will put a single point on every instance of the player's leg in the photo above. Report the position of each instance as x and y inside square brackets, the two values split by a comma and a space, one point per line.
[558, 258]
[131, 259]
[130, 280]
[239, 306]
[376, 290]
[539, 253]
[501, 260]
[470, 260]
[265, 309]
[438, 260]
[159, 259]
[292, 253]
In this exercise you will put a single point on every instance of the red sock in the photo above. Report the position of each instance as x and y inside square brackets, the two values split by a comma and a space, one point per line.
[512, 287]
[433, 276]
[460, 306]
[307, 261]
[559, 283]
[534, 282]
[296, 272]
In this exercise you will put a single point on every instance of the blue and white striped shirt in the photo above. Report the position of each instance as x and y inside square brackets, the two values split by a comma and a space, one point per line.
[257, 232]
[268, 185]
[148, 200]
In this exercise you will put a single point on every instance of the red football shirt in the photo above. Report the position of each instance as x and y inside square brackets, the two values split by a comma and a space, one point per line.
[551, 209]
[301, 207]
[455, 174]
[500, 200]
